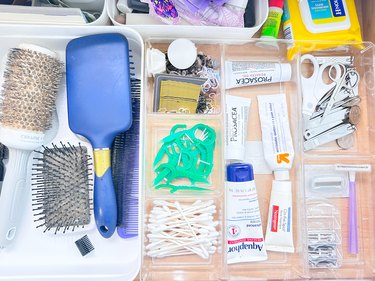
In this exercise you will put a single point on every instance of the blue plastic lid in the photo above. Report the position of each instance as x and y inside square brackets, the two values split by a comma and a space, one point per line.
[240, 172]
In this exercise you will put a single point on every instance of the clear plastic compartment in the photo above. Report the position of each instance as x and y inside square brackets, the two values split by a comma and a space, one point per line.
[359, 142]
[279, 266]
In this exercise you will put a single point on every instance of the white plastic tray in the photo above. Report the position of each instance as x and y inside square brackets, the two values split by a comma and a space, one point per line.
[44, 256]
[188, 31]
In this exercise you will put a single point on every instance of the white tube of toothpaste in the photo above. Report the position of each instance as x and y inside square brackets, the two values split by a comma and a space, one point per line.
[276, 136]
[279, 235]
[247, 73]
[236, 116]
[244, 225]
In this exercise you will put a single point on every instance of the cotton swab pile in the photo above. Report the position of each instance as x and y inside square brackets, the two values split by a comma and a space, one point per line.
[176, 229]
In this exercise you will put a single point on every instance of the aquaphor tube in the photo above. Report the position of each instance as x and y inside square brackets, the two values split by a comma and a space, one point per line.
[244, 225]
[237, 111]
[279, 235]
[247, 73]
[276, 136]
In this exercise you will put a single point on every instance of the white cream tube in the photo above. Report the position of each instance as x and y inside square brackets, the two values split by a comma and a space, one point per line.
[279, 235]
[247, 73]
[237, 113]
[245, 242]
[276, 136]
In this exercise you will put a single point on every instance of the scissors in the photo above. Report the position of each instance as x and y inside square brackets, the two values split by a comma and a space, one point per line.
[314, 88]
[347, 84]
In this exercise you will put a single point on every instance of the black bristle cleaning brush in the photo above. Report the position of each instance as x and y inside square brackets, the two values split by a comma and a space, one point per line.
[31, 81]
[63, 178]
[61, 197]
[125, 171]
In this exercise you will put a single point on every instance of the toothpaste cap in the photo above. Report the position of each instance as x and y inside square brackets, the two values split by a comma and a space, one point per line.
[281, 175]
[240, 172]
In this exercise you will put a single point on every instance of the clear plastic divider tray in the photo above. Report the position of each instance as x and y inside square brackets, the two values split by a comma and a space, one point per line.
[279, 266]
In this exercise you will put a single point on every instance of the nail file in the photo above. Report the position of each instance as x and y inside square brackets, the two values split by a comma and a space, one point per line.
[99, 108]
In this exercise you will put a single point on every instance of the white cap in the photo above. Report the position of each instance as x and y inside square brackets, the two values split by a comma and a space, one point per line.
[156, 62]
[286, 72]
[235, 153]
[281, 175]
[182, 53]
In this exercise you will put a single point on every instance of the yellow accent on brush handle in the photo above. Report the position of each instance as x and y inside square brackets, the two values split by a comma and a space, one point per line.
[102, 161]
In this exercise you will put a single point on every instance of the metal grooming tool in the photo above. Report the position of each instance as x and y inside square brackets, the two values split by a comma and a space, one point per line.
[340, 114]
[346, 60]
[314, 88]
[331, 110]
[348, 81]
[350, 115]
[348, 102]
[330, 135]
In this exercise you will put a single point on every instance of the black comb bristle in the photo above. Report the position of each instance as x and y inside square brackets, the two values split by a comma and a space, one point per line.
[84, 245]
[61, 187]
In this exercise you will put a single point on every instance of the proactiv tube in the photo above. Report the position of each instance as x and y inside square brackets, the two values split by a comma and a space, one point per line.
[247, 73]
[245, 241]
[237, 112]
[279, 235]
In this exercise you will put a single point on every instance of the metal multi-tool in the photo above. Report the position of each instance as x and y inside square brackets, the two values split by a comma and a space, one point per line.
[330, 110]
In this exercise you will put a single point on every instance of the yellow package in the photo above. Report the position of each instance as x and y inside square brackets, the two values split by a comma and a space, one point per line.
[179, 97]
[321, 22]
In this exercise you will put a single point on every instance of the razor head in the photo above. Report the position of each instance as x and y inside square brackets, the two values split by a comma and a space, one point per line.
[98, 87]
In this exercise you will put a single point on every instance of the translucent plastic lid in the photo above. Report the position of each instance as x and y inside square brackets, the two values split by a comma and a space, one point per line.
[182, 53]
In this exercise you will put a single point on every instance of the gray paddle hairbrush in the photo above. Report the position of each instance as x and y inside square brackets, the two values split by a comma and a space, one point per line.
[62, 186]
[31, 81]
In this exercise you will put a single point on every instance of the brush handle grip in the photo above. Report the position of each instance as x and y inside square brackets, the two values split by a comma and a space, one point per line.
[13, 195]
[353, 230]
[105, 205]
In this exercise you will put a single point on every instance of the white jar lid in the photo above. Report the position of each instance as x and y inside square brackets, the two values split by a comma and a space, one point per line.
[182, 53]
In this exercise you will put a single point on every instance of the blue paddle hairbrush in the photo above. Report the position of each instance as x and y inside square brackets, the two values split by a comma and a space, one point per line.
[99, 108]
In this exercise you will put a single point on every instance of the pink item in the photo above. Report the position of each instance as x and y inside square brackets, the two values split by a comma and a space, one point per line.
[276, 3]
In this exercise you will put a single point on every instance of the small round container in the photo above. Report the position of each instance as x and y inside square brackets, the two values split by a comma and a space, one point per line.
[182, 53]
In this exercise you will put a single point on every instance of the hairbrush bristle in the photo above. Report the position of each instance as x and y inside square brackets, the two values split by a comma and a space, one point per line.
[31, 82]
[61, 187]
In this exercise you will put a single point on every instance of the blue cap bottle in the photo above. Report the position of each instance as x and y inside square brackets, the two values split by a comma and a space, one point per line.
[240, 172]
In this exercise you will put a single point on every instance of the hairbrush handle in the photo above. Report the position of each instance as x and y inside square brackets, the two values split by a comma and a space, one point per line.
[13, 195]
[105, 205]
[353, 230]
